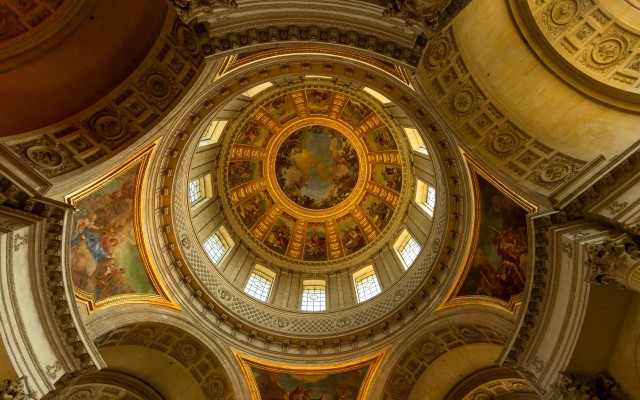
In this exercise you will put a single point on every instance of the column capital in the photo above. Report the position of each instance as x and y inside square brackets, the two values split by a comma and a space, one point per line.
[610, 261]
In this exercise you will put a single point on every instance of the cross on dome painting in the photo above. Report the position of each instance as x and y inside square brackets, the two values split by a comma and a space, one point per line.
[314, 174]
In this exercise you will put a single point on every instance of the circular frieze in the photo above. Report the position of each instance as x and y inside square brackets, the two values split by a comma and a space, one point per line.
[554, 172]
[564, 11]
[44, 156]
[521, 387]
[313, 175]
[481, 396]
[84, 394]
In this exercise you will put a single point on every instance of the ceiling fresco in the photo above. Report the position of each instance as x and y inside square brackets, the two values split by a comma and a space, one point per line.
[108, 257]
[349, 381]
[314, 174]
[496, 269]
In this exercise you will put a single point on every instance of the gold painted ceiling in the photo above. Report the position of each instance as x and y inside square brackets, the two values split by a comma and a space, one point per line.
[314, 173]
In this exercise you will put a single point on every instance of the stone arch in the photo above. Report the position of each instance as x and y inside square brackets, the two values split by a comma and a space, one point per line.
[122, 317]
[482, 327]
[169, 358]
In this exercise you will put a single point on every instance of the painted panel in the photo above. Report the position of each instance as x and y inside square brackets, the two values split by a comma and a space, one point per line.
[317, 167]
[377, 210]
[251, 210]
[244, 171]
[352, 237]
[387, 176]
[280, 235]
[498, 266]
[354, 112]
[350, 381]
[315, 246]
[107, 254]
[380, 140]
[319, 101]
[282, 109]
[254, 134]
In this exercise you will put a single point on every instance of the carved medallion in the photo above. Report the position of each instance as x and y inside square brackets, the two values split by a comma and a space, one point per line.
[428, 349]
[157, 85]
[109, 127]
[187, 40]
[463, 101]
[554, 172]
[609, 50]
[84, 394]
[214, 388]
[564, 11]
[187, 351]
[281, 322]
[399, 384]
[505, 142]
[44, 156]
[438, 52]
[224, 295]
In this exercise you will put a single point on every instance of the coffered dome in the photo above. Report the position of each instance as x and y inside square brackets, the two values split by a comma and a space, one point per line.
[313, 173]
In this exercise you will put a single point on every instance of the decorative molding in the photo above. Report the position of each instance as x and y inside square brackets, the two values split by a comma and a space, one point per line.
[577, 387]
[610, 261]
[485, 126]
[14, 390]
[599, 46]
[536, 295]
[187, 10]
[54, 279]
[127, 113]
[619, 172]
[193, 355]
[429, 16]
[424, 352]
[258, 37]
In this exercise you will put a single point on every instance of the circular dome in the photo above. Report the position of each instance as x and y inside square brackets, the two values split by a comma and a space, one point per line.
[313, 174]
[260, 121]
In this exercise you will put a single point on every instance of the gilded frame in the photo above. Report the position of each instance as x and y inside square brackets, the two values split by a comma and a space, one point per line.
[246, 362]
[162, 298]
[475, 169]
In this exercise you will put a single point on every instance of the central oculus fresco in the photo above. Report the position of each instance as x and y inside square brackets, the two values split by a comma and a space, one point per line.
[313, 174]
[317, 167]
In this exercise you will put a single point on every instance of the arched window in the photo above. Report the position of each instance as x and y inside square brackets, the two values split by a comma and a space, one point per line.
[313, 295]
[407, 248]
[426, 197]
[260, 283]
[216, 246]
[367, 285]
